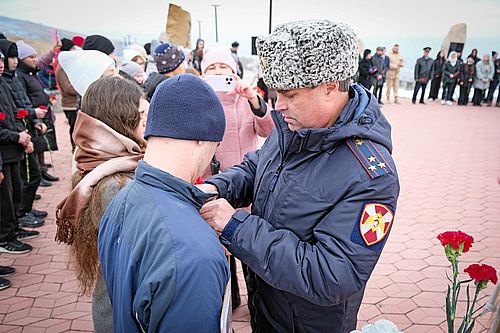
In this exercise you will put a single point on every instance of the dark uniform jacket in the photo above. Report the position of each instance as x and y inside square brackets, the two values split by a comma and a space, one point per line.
[423, 69]
[323, 201]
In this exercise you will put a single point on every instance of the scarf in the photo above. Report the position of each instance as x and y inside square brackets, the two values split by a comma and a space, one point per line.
[101, 152]
[452, 61]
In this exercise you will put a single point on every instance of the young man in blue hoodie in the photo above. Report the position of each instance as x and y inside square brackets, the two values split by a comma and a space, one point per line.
[164, 268]
[323, 187]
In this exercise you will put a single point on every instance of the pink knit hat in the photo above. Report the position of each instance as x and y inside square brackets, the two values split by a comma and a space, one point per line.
[218, 55]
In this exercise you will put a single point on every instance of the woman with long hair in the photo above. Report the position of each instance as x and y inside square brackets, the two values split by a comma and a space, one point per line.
[437, 74]
[109, 133]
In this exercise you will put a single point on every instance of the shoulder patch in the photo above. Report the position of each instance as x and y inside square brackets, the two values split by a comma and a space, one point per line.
[370, 158]
[374, 224]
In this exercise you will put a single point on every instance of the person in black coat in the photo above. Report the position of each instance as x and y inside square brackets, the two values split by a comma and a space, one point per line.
[437, 74]
[14, 142]
[367, 71]
[451, 71]
[422, 75]
[27, 69]
[466, 80]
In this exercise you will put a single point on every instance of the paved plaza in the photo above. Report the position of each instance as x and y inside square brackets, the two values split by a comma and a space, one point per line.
[448, 158]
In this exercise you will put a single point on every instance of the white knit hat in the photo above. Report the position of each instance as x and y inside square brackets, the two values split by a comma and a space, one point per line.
[84, 67]
[218, 54]
[307, 54]
[24, 50]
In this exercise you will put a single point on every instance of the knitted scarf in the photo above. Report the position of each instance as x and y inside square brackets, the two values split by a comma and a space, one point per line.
[101, 152]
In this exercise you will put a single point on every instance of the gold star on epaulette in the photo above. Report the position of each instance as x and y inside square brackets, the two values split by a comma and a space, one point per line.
[358, 142]
[381, 165]
[372, 168]
[372, 159]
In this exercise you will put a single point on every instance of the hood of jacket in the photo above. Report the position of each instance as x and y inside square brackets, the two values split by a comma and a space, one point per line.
[361, 118]
[6, 46]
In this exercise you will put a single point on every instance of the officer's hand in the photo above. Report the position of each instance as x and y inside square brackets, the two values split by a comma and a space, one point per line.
[217, 213]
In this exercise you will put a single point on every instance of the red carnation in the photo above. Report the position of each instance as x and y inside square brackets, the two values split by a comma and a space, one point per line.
[198, 181]
[21, 114]
[455, 238]
[259, 91]
[2, 116]
[481, 274]
[53, 98]
[43, 107]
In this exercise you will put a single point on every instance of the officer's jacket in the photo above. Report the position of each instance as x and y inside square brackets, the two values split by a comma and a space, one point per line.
[323, 202]
[423, 69]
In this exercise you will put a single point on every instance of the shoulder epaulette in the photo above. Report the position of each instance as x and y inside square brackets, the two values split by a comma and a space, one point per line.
[370, 158]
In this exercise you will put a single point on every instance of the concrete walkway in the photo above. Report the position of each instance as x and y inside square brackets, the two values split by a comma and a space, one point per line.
[448, 159]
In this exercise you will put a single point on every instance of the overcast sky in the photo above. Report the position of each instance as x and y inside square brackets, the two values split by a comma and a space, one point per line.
[239, 20]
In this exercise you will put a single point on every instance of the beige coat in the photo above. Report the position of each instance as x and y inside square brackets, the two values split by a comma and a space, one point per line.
[396, 61]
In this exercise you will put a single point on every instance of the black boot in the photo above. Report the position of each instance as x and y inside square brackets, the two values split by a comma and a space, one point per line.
[49, 177]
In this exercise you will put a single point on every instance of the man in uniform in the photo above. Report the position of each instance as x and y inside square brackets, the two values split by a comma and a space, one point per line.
[323, 187]
[422, 75]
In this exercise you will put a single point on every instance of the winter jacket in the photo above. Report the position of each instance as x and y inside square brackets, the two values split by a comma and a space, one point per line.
[378, 62]
[423, 70]
[496, 63]
[437, 67]
[484, 71]
[396, 61]
[467, 74]
[38, 97]
[449, 69]
[151, 83]
[68, 93]
[366, 73]
[243, 129]
[316, 196]
[162, 263]
[10, 148]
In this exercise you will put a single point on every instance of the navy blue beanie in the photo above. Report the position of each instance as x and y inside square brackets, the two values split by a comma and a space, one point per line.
[185, 107]
[168, 57]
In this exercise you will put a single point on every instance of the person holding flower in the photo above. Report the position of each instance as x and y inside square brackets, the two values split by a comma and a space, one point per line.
[29, 65]
[14, 140]
[30, 117]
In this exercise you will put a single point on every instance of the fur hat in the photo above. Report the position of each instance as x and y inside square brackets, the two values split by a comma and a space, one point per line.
[168, 57]
[84, 67]
[24, 50]
[307, 54]
[185, 107]
[218, 54]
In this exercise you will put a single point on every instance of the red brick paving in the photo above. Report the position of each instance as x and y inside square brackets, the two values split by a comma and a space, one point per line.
[448, 159]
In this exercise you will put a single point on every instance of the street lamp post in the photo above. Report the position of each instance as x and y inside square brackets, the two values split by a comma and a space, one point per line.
[216, 29]
[199, 29]
[270, 14]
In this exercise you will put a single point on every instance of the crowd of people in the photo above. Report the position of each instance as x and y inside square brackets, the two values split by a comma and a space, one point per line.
[168, 187]
[444, 72]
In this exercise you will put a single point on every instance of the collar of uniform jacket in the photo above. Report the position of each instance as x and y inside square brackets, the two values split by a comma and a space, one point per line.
[179, 188]
[355, 120]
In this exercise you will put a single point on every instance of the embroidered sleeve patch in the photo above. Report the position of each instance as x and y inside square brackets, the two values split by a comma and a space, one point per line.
[374, 224]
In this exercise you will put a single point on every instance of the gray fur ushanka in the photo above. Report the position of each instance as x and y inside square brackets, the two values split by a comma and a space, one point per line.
[308, 53]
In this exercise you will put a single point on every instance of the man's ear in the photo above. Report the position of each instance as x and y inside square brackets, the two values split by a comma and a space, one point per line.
[331, 88]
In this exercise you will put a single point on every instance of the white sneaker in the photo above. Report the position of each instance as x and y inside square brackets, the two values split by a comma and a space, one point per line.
[443, 102]
[449, 103]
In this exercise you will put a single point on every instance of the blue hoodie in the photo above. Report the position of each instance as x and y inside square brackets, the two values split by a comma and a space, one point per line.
[162, 263]
[323, 202]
